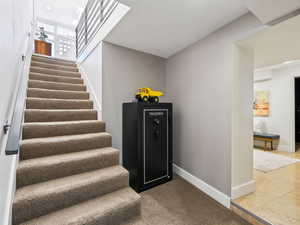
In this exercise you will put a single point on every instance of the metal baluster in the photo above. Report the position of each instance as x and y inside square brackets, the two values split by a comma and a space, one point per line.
[86, 25]
[76, 31]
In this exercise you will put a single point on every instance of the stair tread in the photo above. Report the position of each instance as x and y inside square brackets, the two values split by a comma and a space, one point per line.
[49, 65]
[59, 110]
[56, 94]
[59, 100]
[63, 138]
[54, 70]
[33, 200]
[50, 129]
[67, 183]
[46, 115]
[37, 56]
[52, 82]
[48, 103]
[54, 77]
[61, 123]
[46, 146]
[48, 85]
[54, 62]
[62, 91]
[56, 73]
[87, 212]
[54, 160]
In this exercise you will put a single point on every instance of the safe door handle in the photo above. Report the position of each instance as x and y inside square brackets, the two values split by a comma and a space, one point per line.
[156, 133]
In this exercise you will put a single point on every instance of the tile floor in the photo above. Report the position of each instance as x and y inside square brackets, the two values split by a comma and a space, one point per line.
[277, 196]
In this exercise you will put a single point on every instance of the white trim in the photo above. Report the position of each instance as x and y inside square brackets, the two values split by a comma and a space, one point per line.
[243, 189]
[286, 148]
[11, 191]
[201, 185]
[292, 103]
[92, 92]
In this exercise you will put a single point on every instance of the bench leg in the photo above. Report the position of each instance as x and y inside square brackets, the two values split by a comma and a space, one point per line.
[265, 145]
[272, 146]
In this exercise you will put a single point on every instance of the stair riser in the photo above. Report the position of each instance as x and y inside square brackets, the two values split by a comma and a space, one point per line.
[48, 148]
[39, 205]
[33, 76]
[116, 208]
[55, 72]
[38, 130]
[43, 116]
[58, 104]
[55, 67]
[101, 158]
[38, 93]
[119, 214]
[54, 62]
[56, 86]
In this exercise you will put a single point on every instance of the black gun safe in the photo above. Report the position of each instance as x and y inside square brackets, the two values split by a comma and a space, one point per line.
[147, 143]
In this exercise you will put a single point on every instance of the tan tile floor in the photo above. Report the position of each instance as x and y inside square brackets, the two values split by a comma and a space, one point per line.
[277, 196]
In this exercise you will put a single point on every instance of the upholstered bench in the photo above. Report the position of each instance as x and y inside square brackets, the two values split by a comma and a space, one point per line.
[267, 138]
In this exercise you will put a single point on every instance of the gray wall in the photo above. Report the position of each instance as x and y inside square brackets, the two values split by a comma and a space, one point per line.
[200, 84]
[124, 71]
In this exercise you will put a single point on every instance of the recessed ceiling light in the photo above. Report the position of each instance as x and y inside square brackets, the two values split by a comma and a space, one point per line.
[49, 8]
[79, 10]
[75, 22]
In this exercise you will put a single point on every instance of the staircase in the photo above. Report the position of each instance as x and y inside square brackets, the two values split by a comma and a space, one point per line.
[68, 171]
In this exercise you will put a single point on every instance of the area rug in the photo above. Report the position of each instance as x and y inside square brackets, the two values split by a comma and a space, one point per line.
[267, 161]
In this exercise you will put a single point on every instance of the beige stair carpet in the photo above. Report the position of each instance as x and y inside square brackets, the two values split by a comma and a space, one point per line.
[68, 172]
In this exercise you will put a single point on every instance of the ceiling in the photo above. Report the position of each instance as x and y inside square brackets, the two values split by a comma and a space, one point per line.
[61, 11]
[270, 10]
[165, 27]
[277, 44]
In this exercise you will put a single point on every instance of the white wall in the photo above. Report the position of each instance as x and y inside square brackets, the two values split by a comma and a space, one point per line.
[281, 119]
[200, 84]
[91, 69]
[124, 71]
[15, 19]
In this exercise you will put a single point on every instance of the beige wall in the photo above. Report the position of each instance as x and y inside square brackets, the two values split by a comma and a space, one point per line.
[124, 71]
[200, 84]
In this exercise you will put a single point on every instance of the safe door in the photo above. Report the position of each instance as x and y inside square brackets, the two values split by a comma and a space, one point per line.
[156, 150]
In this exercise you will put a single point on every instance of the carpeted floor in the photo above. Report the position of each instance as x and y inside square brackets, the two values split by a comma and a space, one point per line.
[180, 203]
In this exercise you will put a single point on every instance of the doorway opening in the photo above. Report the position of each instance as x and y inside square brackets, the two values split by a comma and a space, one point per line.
[266, 124]
[297, 114]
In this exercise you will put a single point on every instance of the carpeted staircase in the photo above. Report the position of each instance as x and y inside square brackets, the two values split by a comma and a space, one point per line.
[68, 172]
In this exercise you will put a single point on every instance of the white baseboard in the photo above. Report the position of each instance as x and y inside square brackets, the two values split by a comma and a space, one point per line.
[92, 92]
[285, 148]
[200, 184]
[243, 189]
